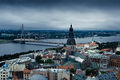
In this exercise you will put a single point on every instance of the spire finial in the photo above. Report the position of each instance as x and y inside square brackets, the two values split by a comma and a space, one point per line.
[71, 26]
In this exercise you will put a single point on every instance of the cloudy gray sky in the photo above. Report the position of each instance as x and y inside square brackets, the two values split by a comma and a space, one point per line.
[59, 14]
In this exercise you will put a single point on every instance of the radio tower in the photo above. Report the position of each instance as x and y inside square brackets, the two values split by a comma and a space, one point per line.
[22, 35]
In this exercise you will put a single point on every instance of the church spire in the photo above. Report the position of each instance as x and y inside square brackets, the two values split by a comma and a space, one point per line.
[71, 26]
[71, 29]
[71, 34]
[71, 40]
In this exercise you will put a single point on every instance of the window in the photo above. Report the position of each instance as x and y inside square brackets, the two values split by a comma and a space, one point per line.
[3, 72]
[6, 75]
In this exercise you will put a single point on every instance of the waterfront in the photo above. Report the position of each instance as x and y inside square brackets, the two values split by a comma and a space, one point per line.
[87, 39]
[11, 48]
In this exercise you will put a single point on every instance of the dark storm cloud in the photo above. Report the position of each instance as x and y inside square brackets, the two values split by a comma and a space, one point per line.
[59, 14]
[61, 2]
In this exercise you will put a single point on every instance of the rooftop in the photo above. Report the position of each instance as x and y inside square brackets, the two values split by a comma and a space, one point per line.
[108, 76]
[52, 70]
[4, 69]
[23, 59]
[93, 44]
[79, 55]
[115, 56]
[66, 66]
[97, 55]
[79, 77]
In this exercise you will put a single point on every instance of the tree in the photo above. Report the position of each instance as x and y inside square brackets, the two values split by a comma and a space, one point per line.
[91, 72]
[118, 53]
[110, 45]
[49, 61]
[102, 72]
[38, 59]
[88, 72]
[72, 70]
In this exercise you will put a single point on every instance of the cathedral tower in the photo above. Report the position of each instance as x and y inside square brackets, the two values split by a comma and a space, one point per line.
[71, 44]
[71, 40]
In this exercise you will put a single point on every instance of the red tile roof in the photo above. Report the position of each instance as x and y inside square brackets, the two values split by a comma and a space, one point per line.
[65, 48]
[105, 50]
[111, 70]
[27, 70]
[93, 44]
[66, 67]
[47, 56]
[81, 45]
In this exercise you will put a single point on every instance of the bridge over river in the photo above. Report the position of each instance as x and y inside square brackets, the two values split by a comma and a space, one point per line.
[23, 40]
[35, 41]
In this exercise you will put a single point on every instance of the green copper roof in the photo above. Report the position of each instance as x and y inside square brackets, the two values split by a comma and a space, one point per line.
[79, 55]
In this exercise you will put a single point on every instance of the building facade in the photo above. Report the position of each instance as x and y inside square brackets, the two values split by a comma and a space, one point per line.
[52, 74]
[115, 61]
[26, 74]
[5, 74]
[102, 60]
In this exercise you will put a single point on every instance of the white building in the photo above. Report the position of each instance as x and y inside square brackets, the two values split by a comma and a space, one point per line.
[118, 48]
[17, 67]
[5, 73]
[23, 60]
[31, 55]
[38, 54]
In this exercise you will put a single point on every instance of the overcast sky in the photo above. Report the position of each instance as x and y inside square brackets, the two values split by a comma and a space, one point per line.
[59, 14]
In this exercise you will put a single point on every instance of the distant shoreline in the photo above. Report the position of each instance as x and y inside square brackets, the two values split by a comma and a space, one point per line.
[15, 55]
[2, 41]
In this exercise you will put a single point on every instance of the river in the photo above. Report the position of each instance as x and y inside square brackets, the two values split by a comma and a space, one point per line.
[11, 48]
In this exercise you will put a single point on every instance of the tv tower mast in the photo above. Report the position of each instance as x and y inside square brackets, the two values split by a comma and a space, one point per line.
[22, 35]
